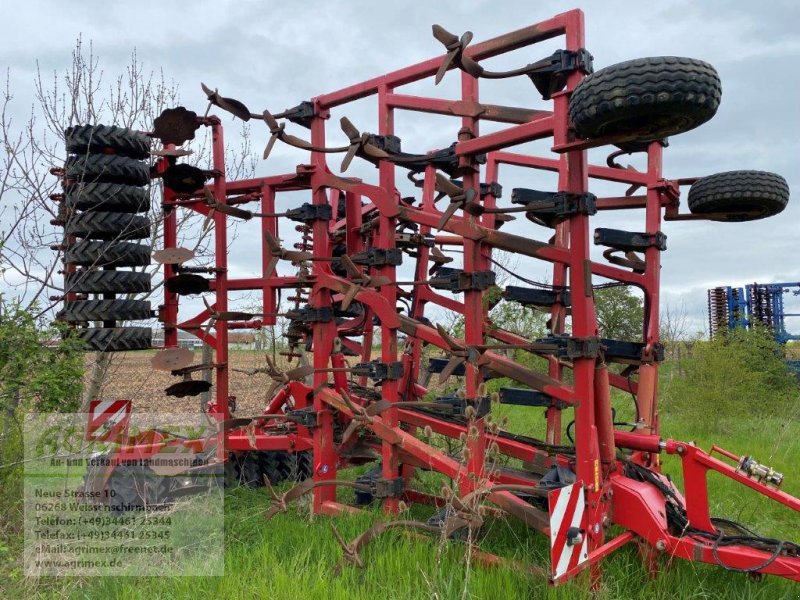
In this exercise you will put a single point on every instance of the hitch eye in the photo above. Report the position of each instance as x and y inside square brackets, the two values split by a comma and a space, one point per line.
[760, 472]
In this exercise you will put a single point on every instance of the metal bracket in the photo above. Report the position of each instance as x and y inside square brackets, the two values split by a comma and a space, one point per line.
[310, 212]
[551, 208]
[305, 417]
[445, 160]
[387, 143]
[493, 188]
[437, 364]
[573, 347]
[621, 351]
[308, 314]
[550, 74]
[378, 257]
[379, 371]
[414, 240]
[386, 488]
[537, 297]
[459, 405]
[629, 241]
[302, 114]
[526, 397]
[456, 280]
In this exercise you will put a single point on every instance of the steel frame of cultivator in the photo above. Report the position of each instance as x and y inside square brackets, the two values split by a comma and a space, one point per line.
[617, 473]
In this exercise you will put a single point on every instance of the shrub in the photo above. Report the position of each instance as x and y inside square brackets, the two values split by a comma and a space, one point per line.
[739, 375]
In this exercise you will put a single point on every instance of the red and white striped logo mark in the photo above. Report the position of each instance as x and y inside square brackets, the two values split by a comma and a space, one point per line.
[108, 420]
[568, 547]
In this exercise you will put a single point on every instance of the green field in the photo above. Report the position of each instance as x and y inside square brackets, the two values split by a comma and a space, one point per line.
[294, 555]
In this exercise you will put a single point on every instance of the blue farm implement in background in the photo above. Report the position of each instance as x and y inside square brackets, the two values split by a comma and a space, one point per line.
[756, 303]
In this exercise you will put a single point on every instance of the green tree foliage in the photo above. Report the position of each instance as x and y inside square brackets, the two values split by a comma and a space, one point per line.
[741, 375]
[619, 313]
[38, 371]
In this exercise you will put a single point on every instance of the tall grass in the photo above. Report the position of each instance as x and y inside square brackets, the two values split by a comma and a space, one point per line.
[734, 393]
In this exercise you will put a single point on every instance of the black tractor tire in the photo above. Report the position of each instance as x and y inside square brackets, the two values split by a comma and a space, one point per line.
[108, 226]
[272, 466]
[115, 339]
[250, 470]
[232, 472]
[108, 254]
[134, 488]
[84, 139]
[646, 99]
[111, 197]
[295, 466]
[108, 168]
[105, 310]
[107, 282]
[739, 195]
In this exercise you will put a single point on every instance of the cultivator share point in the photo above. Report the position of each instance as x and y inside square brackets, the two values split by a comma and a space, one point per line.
[345, 406]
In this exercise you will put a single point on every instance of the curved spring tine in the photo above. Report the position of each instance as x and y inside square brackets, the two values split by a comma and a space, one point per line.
[273, 242]
[275, 130]
[295, 141]
[455, 47]
[376, 281]
[350, 266]
[270, 145]
[445, 37]
[470, 66]
[299, 373]
[448, 213]
[375, 152]
[351, 550]
[350, 130]
[450, 367]
[454, 345]
[233, 211]
[443, 184]
[271, 266]
[352, 149]
[352, 292]
[281, 502]
[231, 105]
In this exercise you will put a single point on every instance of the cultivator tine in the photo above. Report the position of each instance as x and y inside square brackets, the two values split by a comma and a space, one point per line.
[449, 368]
[352, 292]
[269, 271]
[299, 373]
[358, 141]
[280, 502]
[275, 130]
[449, 212]
[348, 550]
[278, 252]
[355, 142]
[459, 198]
[234, 107]
[455, 48]
[351, 550]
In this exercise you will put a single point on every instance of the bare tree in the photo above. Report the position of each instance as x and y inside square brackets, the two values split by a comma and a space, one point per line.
[81, 94]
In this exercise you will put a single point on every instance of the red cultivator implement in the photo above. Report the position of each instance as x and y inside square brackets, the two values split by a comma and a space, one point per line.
[348, 407]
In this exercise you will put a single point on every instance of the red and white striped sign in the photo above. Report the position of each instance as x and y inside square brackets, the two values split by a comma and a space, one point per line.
[108, 420]
[568, 547]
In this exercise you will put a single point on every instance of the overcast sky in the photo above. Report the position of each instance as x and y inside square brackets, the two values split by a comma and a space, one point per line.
[275, 54]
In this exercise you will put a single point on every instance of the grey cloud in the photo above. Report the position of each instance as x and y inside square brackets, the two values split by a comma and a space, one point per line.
[275, 54]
